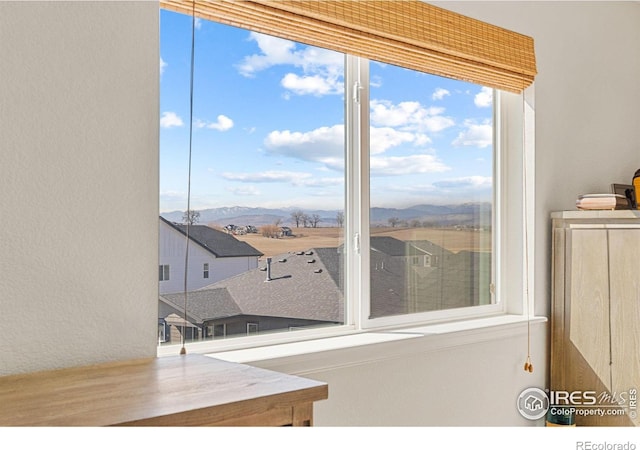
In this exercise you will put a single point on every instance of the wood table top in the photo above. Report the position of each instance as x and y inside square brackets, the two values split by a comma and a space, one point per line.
[174, 390]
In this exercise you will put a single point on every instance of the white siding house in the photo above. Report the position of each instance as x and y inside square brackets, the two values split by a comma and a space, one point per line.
[213, 256]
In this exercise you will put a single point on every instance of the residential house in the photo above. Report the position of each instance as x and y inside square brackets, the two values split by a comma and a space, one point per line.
[290, 291]
[306, 289]
[213, 256]
[79, 168]
[418, 275]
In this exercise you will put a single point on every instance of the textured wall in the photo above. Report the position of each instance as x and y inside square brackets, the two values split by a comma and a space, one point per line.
[79, 151]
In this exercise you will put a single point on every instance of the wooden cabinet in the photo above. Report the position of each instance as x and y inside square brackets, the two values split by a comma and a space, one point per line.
[189, 390]
[595, 318]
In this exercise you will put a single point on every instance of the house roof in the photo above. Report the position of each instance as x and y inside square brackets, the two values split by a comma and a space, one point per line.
[203, 305]
[301, 287]
[430, 248]
[394, 247]
[220, 244]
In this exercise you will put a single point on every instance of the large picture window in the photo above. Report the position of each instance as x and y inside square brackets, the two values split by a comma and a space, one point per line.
[368, 192]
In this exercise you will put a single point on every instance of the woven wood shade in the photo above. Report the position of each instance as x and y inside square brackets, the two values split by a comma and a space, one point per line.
[406, 33]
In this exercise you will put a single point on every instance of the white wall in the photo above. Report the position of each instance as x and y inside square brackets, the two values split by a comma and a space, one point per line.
[79, 130]
[78, 182]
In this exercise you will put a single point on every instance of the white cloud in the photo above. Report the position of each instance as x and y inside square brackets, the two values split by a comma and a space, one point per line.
[294, 178]
[268, 177]
[163, 65]
[315, 145]
[322, 70]
[324, 182]
[197, 23]
[325, 145]
[245, 191]
[277, 51]
[223, 123]
[375, 81]
[170, 119]
[172, 201]
[474, 182]
[384, 138]
[439, 94]
[475, 135]
[274, 51]
[313, 85]
[405, 165]
[484, 98]
[409, 116]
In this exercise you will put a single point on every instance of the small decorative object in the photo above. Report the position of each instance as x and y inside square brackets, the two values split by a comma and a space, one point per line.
[627, 191]
[636, 185]
[602, 202]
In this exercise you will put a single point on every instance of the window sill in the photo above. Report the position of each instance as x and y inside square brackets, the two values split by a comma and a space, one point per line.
[366, 347]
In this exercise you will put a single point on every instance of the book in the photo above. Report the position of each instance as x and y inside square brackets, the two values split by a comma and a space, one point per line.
[602, 201]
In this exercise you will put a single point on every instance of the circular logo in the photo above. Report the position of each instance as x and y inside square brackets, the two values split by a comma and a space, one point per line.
[533, 403]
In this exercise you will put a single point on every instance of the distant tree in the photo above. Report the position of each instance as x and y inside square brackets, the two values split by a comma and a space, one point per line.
[191, 217]
[296, 216]
[340, 219]
[393, 221]
[306, 220]
[277, 222]
[315, 220]
[415, 223]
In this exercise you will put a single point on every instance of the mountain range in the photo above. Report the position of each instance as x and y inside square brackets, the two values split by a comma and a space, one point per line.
[465, 214]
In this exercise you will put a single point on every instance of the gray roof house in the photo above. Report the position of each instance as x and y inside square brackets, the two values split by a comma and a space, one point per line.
[302, 289]
[297, 290]
[213, 256]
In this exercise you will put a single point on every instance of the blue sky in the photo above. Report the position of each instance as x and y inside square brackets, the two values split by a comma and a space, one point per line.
[268, 119]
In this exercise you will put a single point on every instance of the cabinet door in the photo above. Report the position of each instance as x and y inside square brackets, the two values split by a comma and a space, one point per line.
[588, 300]
[624, 261]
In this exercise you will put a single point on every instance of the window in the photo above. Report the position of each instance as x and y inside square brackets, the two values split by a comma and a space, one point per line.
[373, 191]
[267, 173]
[162, 330]
[431, 181]
[164, 272]
[220, 330]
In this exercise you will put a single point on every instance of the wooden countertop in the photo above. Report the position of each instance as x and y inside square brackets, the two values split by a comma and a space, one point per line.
[177, 391]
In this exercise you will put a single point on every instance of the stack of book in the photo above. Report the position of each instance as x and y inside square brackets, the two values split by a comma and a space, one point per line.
[602, 201]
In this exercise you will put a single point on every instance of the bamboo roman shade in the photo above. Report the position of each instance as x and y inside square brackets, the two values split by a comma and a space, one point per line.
[406, 33]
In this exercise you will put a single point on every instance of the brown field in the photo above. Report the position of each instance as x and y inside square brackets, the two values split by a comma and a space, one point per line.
[306, 238]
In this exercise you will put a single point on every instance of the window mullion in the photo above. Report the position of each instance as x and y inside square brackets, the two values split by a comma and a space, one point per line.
[364, 185]
[357, 185]
[351, 222]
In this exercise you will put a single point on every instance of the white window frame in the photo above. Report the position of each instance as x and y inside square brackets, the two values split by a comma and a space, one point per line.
[513, 203]
[512, 114]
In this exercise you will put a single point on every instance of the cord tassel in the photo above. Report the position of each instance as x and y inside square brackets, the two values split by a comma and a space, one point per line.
[528, 367]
